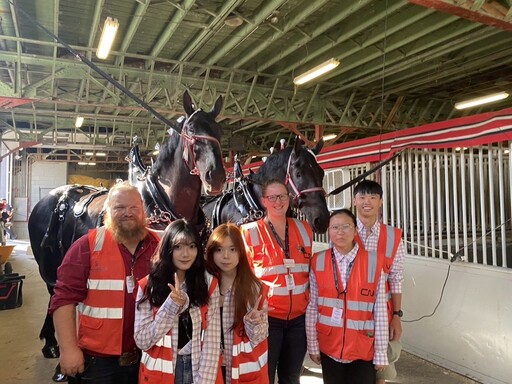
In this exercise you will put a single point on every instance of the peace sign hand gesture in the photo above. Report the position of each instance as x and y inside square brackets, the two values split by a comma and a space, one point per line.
[256, 316]
[176, 294]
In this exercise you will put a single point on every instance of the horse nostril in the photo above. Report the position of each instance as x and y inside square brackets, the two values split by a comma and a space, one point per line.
[208, 176]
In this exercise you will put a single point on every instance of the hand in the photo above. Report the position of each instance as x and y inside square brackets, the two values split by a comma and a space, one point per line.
[176, 294]
[380, 368]
[395, 328]
[255, 316]
[72, 361]
[315, 358]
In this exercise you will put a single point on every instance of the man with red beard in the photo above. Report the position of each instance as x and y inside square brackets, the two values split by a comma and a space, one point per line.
[96, 282]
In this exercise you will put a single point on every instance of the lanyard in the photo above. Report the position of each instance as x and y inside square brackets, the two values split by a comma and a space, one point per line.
[335, 272]
[134, 256]
[286, 245]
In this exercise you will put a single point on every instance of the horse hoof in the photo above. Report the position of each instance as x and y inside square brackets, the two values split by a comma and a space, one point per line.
[51, 352]
[58, 376]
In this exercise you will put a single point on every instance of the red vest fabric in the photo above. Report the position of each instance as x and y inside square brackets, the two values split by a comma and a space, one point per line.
[350, 337]
[249, 362]
[100, 315]
[268, 260]
[387, 246]
[157, 364]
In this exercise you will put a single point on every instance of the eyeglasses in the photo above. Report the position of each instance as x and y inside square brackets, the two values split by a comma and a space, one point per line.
[274, 198]
[341, 228]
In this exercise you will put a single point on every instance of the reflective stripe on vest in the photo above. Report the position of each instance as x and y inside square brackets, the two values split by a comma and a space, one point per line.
[255, 238]
[100, 313]
[105, 285]
[284, 291]
[390, 240]
[100, 238]
[156, 364]
[281, 269]
[250, 367]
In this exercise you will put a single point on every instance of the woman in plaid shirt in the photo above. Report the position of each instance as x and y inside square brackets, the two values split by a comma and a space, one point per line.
[177, 322]
[243, 308]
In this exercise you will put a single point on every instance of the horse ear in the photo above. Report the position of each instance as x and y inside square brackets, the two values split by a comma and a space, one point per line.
[318, 147]
[188, 104]
[217, 107]
[298, 144]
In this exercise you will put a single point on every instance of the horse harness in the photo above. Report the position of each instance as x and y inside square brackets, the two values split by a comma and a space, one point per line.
[189, 141]
[77, 196]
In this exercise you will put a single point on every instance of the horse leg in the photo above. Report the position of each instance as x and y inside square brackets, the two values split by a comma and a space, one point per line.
[51, 347]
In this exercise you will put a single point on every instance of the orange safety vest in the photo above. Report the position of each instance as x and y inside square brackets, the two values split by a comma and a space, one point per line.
[100, 315]
[157, 364]
[268, 260]
[249, 362]
[351, 336]
[387, 246]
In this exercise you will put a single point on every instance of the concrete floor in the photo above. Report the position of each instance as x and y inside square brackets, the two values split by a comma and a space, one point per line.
[22, 361]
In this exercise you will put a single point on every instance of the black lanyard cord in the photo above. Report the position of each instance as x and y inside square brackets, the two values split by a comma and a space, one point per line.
[286, 245]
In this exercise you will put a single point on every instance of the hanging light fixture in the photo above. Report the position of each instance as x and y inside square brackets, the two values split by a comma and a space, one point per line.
[107, 37]
[319, 70]
[79, 121]
[481, 100]
[329, 136]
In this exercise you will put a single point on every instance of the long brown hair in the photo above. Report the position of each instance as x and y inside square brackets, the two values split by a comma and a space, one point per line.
[246, 285]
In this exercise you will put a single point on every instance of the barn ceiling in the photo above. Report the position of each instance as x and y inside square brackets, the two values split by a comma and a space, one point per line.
[403, 64]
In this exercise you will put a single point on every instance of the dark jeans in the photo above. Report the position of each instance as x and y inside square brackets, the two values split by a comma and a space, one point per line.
[356, 372]
[106, 370]
[183, 373]
[286, 349]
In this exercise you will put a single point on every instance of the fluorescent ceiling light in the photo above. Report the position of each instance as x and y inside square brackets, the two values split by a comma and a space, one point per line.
[481, 100]
[107, 37]
[319, 70]
[89, 153]
[101, 154]
[86, 163]
[79, 121]
[329, 136]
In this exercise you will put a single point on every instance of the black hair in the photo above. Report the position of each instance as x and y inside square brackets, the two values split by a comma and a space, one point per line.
[344, 211]
[368, 187]
[163, 269]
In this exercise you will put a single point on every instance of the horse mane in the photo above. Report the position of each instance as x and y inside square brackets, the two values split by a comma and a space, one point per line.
[278, 160]
[167, 151]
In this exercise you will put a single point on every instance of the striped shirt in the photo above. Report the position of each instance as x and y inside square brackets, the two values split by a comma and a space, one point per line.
[370, 240]
[380, 314]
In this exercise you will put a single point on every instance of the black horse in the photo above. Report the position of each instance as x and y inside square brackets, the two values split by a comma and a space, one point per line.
[190, 159]
[297, 167]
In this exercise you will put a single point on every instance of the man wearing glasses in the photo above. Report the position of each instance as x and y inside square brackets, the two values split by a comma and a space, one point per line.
[386, 241]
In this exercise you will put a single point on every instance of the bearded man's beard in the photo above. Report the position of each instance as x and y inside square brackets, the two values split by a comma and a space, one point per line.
[122, 233]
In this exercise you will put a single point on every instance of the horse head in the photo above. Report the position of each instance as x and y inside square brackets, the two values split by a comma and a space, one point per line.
[202, 152]
[194, 149]
[298, 168]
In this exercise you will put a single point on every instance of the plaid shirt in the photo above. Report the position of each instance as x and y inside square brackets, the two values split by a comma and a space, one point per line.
[256, 333]
[371, 239]
[150, 328]
[380, 314]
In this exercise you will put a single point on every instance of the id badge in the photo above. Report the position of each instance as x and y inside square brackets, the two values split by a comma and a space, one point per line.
[337, 314]
[130, 283]
[290, 282]
[289, 263]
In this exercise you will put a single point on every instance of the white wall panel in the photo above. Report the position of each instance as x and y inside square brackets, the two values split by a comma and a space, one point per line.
[471, 331]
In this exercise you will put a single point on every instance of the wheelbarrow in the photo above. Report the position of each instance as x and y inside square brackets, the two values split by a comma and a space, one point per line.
[5, 252]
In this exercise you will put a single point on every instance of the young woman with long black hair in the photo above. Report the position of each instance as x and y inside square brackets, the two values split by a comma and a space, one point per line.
[177, 318]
